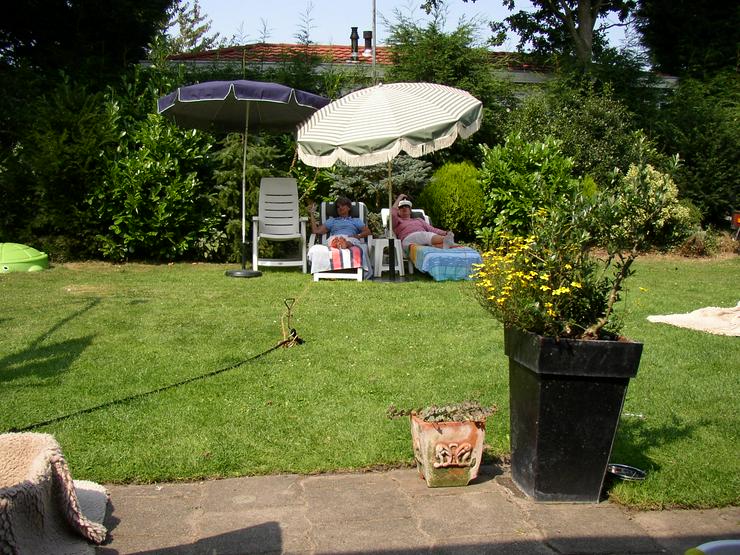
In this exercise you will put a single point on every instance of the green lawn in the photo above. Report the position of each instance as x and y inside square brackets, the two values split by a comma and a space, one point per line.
[80, 335]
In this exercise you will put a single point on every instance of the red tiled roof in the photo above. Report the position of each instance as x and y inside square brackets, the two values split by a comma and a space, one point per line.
[330, 53]
[273, 53]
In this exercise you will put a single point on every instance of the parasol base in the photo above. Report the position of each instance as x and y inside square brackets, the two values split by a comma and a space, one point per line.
[243, 273]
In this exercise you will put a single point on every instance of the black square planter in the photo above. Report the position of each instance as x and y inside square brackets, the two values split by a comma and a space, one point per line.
[566, 397]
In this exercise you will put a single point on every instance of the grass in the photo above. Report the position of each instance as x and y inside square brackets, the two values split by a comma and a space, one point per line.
[81, 335]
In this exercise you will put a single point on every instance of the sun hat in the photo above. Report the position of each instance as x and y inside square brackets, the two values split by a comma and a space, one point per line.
[405, 202]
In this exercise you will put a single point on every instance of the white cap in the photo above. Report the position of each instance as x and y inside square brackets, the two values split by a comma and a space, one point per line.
[405, 202]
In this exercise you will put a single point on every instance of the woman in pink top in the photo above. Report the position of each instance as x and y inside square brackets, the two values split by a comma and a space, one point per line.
[417, 230]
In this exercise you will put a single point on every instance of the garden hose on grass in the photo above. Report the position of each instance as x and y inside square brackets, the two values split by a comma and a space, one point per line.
[290, 338]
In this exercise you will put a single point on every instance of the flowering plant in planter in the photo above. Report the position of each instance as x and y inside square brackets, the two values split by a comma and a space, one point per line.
[552, 282]
[553, 279]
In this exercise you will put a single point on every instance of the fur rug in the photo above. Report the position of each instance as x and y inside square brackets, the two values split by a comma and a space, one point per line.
[720, 321]
[42, 510]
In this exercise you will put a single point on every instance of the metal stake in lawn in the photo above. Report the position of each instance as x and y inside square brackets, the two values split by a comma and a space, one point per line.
[291, 338]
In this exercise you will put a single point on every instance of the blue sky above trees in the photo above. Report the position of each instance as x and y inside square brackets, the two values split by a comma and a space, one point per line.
[331, 23]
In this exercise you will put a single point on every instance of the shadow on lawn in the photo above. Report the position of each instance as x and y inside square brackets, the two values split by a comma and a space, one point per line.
[635, 437]
[47, 360]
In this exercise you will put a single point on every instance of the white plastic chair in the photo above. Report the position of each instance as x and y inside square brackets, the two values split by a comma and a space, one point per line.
[278, 220]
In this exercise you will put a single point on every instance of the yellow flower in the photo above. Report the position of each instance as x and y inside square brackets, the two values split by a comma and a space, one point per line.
[575, 284]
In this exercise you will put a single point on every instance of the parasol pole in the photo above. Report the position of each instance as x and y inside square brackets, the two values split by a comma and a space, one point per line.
[391, 239]
[244, 273]
[375, 79]
[244, 188]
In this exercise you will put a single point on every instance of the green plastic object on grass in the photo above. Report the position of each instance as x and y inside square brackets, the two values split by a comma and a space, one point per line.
[719, 547]
[15, 257]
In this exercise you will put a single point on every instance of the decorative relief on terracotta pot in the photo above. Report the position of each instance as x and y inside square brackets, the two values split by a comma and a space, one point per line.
[447, 453]
[453, 454]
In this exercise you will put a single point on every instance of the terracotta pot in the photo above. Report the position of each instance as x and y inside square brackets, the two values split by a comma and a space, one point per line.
[566, 397]
[447, 453]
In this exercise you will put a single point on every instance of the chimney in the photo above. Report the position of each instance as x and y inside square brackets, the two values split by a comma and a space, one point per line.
[368, 36]
[354, 36]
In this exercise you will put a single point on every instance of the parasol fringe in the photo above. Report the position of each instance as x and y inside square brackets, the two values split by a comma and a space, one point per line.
[372, 158]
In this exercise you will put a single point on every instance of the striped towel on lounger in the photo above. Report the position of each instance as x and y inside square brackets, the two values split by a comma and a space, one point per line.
[324, 259]
[342, 259]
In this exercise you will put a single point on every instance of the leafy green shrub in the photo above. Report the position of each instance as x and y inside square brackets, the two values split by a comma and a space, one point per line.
[54, 162]
[261, 160]
[369, 184]
[640, 211]
[155, 199]
[592, 128]
[519, 178]
[700, 122]
[454, 199]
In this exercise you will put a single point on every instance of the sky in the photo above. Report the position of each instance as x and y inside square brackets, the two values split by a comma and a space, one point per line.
[331, 21]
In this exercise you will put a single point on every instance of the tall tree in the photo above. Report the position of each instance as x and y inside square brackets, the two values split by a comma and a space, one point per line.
[566, 26]
[194, 29]
[691, 37]
[85, 38]
[560, 26]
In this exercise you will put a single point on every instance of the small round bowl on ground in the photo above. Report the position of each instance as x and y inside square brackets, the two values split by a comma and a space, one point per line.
[624, 472]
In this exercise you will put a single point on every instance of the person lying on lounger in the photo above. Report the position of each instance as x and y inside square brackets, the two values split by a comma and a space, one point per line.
[354, 230]
[416, 230]
[343, 230]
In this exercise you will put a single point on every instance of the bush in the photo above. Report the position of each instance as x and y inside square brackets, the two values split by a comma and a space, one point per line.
[641, 211]
[593, 129]
[369, 184]
[520, 178]
[262, 158]
[700, 243]
[728, 244]
[155, 201]
[700, 122]
[53, 164]
[550, 282]
[454, 199]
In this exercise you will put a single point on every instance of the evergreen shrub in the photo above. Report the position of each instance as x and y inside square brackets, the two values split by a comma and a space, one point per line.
[518, 178]
[155, 201]
[454, 199]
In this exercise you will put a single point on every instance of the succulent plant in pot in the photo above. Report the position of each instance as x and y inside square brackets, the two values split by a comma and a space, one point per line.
[448, 441]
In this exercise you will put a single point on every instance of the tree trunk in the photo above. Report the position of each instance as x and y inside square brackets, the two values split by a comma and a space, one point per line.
[580, 25]
[585, 31]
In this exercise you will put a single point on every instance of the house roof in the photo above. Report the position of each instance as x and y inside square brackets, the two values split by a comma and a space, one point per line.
[515, 66]
[275, 53]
